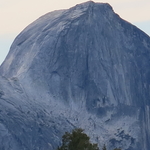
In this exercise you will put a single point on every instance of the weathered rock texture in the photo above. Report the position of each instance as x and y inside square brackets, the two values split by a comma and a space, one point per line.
[82, 67]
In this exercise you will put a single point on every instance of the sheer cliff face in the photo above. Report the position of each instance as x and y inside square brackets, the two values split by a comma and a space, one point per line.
[82, 67]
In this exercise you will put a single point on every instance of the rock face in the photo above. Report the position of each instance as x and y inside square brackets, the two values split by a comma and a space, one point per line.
[82, 67]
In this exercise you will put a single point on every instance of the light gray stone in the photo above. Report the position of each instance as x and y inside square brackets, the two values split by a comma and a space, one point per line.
[82, 67]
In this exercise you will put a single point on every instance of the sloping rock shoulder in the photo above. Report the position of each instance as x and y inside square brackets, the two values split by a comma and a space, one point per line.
[82, 67]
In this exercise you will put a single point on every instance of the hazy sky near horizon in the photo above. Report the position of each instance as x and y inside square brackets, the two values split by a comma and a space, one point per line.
[15, 15]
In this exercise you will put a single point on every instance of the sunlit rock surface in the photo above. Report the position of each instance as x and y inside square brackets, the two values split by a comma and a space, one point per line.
[82, 67]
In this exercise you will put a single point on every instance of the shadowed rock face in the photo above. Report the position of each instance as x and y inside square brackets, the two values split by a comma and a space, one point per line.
[82, 67]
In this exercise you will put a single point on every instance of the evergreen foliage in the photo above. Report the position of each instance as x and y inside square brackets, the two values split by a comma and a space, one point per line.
[78, 140]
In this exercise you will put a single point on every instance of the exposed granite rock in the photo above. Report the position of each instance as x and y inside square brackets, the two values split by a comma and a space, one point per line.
[82, 67]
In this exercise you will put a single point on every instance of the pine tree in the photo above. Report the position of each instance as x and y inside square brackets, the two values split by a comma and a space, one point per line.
[77, 140]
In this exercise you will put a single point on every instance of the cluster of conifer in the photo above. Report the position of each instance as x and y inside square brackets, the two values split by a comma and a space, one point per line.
[78, 140]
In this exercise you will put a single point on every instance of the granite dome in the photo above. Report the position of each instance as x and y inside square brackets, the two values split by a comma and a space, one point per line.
[81, 67]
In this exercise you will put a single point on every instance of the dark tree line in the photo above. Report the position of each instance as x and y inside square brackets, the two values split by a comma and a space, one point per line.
[78, 140]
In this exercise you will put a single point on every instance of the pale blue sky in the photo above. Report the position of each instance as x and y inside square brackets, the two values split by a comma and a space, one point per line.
[15, 15]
